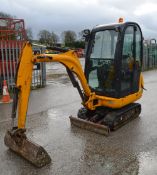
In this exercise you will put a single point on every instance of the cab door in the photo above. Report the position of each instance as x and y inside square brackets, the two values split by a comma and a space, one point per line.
[131, 60]
[137, 66]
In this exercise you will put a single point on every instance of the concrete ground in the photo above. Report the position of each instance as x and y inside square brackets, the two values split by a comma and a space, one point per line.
[131, 150]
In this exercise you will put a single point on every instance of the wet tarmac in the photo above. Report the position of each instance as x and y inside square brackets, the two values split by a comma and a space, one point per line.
[131, 150]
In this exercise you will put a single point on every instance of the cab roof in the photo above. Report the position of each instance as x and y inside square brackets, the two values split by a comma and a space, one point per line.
[112, 26]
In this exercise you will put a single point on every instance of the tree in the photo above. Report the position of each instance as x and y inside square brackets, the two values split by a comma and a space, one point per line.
[79, 44]
[80, 36]
[5, 15]
[29, 34]
[44, 37]
[54, 39]
[69, 37]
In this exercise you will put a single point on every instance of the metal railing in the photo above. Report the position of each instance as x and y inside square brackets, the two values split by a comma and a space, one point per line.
[150, 55]
[39, 70]
[9, 54]
[12, 38]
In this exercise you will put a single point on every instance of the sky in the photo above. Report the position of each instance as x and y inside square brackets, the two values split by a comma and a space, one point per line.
[76, 15]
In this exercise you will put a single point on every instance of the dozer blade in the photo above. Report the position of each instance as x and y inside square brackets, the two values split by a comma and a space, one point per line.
[91, 126]
[32, 152]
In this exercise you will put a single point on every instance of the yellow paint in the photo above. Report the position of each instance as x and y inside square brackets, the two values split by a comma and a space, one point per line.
[24, 80]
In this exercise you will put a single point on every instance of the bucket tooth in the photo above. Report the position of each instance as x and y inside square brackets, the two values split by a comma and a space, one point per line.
[94, 127]
[32, 152]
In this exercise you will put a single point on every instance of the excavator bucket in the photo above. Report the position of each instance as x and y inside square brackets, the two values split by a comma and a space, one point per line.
[32, 152]
[91, 126]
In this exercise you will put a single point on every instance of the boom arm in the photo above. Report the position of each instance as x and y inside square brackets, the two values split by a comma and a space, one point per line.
[71, 62]
[24, 77]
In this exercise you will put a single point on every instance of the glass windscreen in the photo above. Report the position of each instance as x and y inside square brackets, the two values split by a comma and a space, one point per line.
[101, 62]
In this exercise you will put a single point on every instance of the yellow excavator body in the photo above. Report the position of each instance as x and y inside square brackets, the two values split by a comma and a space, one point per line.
[107, 105]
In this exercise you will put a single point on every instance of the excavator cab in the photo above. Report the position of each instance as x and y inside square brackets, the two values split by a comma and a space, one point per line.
[114, 59]
[113, 71]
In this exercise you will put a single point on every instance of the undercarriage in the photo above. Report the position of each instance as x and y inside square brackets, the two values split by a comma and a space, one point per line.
[103, 120]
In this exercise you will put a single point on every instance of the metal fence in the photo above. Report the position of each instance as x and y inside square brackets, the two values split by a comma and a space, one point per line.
[149, 54]
[12, 38]
[9, 54]
[39, 70]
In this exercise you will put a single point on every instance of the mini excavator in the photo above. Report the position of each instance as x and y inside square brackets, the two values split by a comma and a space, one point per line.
[109, 85]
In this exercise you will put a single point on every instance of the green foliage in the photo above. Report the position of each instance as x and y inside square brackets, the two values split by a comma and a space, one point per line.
[44, 37]
[5, 15]
[76, 44]
[47, 38]
[29, 34]
[54, 39]
[69, 37]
